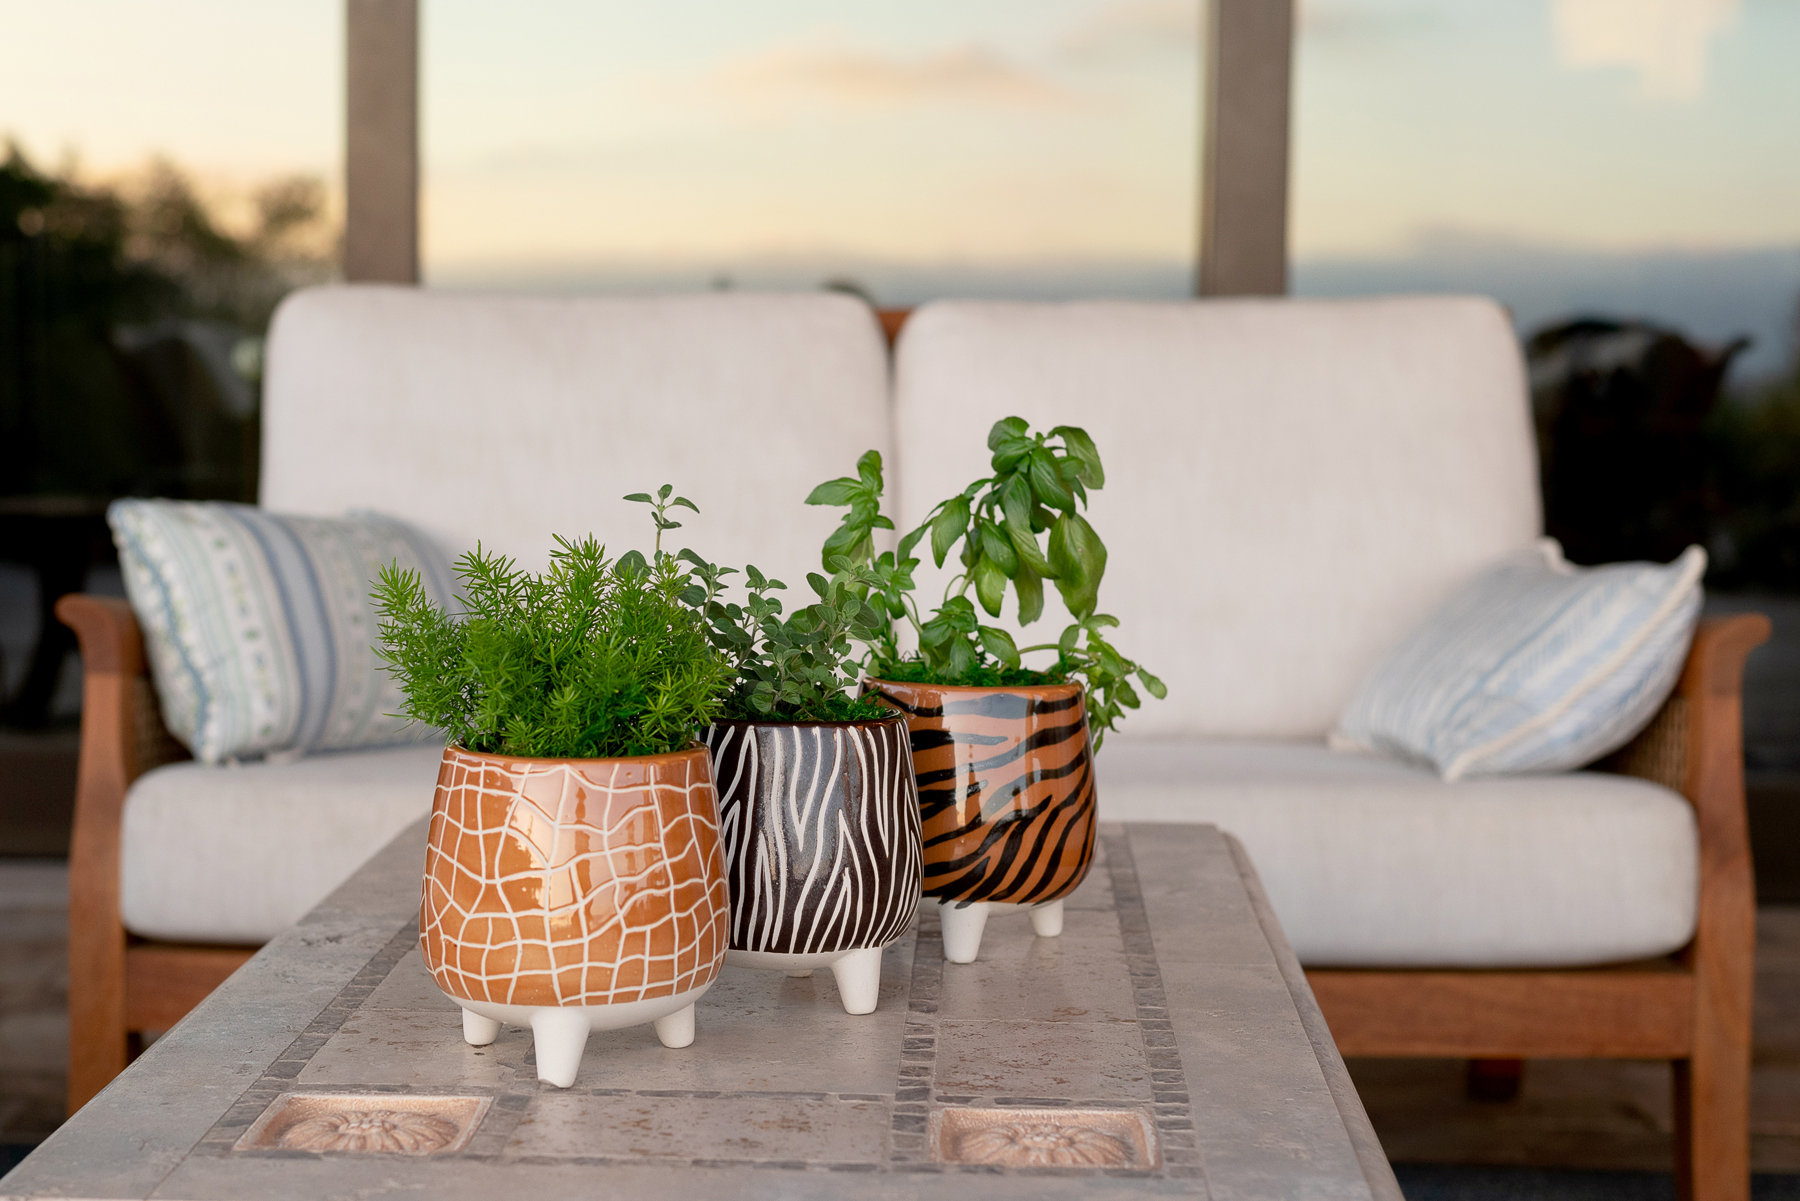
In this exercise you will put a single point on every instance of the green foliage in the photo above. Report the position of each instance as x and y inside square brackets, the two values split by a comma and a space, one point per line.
[592, 659]
[798, 668]
[91, 275]
[1017, 528]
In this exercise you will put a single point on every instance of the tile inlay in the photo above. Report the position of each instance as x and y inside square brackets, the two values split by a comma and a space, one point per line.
[374, 1123]
[1119, 1107]
[1044, 1138]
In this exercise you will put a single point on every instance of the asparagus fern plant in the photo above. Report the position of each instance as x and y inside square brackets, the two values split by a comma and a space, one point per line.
[593, 658]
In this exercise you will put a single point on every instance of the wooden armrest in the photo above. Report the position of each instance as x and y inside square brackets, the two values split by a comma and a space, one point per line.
[122, 736]
[1698, 733]
[108, 633]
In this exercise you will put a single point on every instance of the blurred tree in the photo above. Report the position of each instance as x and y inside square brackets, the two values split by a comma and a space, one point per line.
[125, 315]
[1754, 448]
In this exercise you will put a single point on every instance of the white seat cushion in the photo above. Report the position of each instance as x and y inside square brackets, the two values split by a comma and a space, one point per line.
[1372, 863]
[238, 854]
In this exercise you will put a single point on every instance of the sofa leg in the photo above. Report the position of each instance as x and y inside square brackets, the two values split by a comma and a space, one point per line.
[1494, 1079]
[1712, 1127]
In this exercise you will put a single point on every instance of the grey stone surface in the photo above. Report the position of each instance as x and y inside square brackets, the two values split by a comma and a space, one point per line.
[1090, 1061]
[409, 986]
[1170, 993]
[1080, 976]
[822, 1130]
[414, 1049]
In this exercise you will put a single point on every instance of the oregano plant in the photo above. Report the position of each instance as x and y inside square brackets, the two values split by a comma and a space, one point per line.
[1011, 532]
[803, 666]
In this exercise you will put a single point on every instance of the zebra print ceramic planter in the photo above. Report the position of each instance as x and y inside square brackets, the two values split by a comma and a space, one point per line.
[571, 895]
[1006, 796]
[821, 831]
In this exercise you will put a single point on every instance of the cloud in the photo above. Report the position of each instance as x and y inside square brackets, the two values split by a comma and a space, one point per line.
[1128, 28]
[1664, 41]
[847, 74]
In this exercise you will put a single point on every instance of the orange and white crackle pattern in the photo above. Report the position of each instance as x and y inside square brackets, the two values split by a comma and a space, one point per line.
[574, 882]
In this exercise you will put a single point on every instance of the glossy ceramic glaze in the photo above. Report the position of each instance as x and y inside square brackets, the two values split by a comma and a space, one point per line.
[820, 823]
[1006, 788]
[574, 894]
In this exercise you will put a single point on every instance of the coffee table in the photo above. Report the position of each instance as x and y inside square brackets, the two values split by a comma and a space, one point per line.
[1165, 1045]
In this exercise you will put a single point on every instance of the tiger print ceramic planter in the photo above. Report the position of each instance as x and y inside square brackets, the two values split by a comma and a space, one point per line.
[571, 895]
[1006, 794]
[821, 831]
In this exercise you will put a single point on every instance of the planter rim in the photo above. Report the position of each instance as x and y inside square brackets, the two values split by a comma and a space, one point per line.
[893, 715]
[1066, 685]
[687, 752]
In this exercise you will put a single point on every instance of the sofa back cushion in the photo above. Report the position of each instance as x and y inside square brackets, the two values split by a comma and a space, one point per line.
[1291, 485]
[511, 418]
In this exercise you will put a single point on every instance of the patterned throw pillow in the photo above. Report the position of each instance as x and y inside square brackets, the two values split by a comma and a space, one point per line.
[259, 627]
[1535, 666]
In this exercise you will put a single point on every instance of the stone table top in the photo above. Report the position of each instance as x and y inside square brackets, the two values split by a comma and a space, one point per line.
[1167, 1038]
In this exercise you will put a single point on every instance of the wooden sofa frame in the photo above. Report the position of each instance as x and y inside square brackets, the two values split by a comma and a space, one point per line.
[1692, 1008]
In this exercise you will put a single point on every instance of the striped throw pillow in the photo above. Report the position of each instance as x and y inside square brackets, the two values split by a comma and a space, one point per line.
[259, 627]
[1535, 666]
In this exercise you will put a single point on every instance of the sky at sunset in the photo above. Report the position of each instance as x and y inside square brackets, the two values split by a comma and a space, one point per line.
[907, 141]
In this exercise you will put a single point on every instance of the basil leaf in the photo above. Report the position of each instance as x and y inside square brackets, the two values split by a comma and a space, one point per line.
[1046, 484]
[840, 491]
[998, 548]
[1005, 428]
[1030, 587]
[999, 644]
[1081, 448]
[990, 586]
[951, 523]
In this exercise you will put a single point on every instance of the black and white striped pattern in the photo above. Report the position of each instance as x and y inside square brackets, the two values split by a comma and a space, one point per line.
[821, 828]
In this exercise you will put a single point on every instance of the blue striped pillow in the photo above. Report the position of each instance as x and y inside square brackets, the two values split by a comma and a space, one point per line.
[1535, 666]
[259, 627]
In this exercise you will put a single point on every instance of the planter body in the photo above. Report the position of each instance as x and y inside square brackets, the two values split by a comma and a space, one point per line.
[820, 823]
[573, 895]
[1007, 800]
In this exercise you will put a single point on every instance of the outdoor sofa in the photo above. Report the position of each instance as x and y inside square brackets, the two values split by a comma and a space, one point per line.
[1291, 484]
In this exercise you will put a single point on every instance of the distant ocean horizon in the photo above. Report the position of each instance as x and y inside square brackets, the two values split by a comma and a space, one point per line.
[1710, 296]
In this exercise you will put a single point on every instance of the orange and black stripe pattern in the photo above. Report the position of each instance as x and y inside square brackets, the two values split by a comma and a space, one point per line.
[1006, 788]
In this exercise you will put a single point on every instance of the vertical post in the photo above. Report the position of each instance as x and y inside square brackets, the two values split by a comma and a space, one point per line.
[381, 141]
[1244, 163]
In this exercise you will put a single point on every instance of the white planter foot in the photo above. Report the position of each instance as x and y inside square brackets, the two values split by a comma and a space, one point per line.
[962, 927]
[858, 976]
[676, 1030]
[559, 1036]
[477, 1030]
[800, 973]
[559, 1033]
[1046, 919]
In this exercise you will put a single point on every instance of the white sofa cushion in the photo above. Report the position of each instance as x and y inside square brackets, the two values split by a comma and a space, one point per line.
[1371, 863]
[238, 854]
[260, 627]
[1535, 665]
[1291, 484]
[511, 418]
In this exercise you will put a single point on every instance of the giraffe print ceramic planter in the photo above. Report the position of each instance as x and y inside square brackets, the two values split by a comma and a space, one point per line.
[821, 832]
[1006, 795]
[571, 895]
